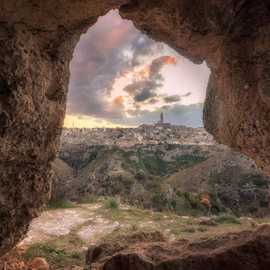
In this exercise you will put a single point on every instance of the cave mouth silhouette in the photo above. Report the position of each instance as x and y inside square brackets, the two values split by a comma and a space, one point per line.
[37, 42]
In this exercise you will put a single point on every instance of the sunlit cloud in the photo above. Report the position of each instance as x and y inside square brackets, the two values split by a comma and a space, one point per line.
[119, 75]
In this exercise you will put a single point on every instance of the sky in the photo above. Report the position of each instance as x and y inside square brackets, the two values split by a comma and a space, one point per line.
[121, 77]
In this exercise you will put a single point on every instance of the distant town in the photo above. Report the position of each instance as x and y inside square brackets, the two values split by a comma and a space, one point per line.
[159, 133]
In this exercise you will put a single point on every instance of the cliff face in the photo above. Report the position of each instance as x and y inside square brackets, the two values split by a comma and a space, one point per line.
[37, 40]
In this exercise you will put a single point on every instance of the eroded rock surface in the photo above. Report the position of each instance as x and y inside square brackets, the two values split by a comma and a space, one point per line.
[246, 250]
[37, 40]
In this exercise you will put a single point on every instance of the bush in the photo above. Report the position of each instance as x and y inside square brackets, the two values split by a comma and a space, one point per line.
[89, 199]
[60, 204]
[155, 165]
[111, 204]
[189, 160]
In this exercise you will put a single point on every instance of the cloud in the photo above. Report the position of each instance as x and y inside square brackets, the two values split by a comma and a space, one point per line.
[109, 49]
[118, 101]
[151, 81]
[114, 49]
[159, 63]
[187, 115]
[144, 47]
[138, 87]
[171, 99]
[175, 98]
[144, 95]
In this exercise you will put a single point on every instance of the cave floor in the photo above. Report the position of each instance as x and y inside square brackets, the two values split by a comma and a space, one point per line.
[63, 235]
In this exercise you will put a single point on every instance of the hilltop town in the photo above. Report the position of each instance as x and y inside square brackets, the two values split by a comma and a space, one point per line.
[159, 133]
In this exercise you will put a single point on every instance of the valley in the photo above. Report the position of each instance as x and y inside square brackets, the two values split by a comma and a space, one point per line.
[158, 174]
[143, 198]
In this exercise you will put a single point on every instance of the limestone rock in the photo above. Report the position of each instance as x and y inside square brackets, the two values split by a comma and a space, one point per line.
[237, 251]
[39, 264]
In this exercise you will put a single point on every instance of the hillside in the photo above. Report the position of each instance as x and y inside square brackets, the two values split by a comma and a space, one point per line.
[185, 178]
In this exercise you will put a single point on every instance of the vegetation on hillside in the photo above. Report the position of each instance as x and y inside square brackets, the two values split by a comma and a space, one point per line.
[185, 179]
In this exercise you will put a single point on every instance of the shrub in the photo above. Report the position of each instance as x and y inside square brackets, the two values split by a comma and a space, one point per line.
[155, 165]
[111, 204]
[189, 160]
[60, 204]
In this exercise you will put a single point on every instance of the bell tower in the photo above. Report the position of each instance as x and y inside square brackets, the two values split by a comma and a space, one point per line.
[161, 118]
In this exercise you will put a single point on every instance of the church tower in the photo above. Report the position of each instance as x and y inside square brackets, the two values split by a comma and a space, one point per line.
[161, 118]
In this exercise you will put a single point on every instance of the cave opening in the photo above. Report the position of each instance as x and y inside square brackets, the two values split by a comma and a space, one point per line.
[113, 90]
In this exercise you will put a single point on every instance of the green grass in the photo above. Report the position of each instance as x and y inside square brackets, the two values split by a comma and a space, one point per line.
[189, 230]
[59, 258]
[227, 219]
[189, 160]
[67, 250]
[111, 203]
[155, 165]
[60, 204]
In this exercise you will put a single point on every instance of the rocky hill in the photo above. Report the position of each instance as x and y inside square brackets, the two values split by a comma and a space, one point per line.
[180, 169]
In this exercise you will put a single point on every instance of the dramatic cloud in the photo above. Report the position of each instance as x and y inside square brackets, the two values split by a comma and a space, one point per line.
[171, 99]
[175, 98]
[159, 63]
[101, 55]
[151, 80]
[120, 76]
[144, 95]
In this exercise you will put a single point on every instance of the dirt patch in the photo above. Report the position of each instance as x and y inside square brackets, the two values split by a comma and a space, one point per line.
[55, 223]
[97, 230]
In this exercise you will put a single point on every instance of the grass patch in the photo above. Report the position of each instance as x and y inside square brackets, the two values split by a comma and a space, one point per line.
[111, 203]
[227, 219]
[189, 160]
[60, 204]
[189, 230]
[58, 258]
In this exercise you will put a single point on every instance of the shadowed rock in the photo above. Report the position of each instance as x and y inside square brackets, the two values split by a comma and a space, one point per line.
[236, 251]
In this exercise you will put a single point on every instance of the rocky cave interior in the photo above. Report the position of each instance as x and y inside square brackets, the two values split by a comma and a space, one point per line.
[37, 42]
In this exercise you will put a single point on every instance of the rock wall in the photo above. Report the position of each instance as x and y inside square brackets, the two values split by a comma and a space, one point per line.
[37, 40]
